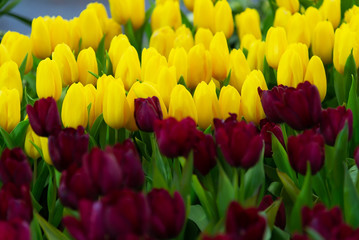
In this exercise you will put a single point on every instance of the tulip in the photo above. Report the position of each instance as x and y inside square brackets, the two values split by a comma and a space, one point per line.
[239, 68]
[248, 22]
[10, 77]
[129, 69]
[313, 17]
[18, 46]
[45, 150]
[219, 55]
[350, 13]
[217, 237]
[9, 108]
[298, 29]
[118, 46]
[204, 153]
[166, 81]
[86, 62]
[44, 117]
[203, 14]
[251, 106]
[14, 167]
[90, 27]
[223, 19]
[247, 41]
[178, 59]
[189, 4]
[29, 148]
[162, 40]
[167, 214]
[276, 44]
[302, 50]
[48, 80]
[40, 38]
[66, 62]
[244, 223]
[330, 10]
[59, 31]
[146, 112]
[15, 229]
[68, 147]
[101, 13]
[183, 38]
[4, 55]
[281, 17]
[75, 35]
[267, 129]
[280, 220]
[229, 102]
[291, 5]
[152, 63]
[182, 104]
[167, 14]
[356, 155]
[316, 75]
[255, 56]
[333, 121]
[299, 107]
[133, 10]
[199, 66]
[323, 41]
[115, 106]
[204, 36]
[291, 69]
[90, 94]
[112, 29]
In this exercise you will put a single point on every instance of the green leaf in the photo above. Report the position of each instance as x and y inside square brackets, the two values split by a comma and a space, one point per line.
[320, 188]
[130, 33]
[7, 138]
[255, 179]
[94, 74]
[306, 3]
[271, 212]
[23, 66]
[51, 193]
[35, 230]
[351, 201]
[288, 185]
[35, 203]
[43, 173]
[187, 22]
[225, 193]
[10, 6]
[345, 5]
[198, 216]
[101, 56]
[279, 234]
[181, 81]
[228, 78]
[185, 187]
[50, 231]
[204, 198]
[269, 74]
[96, 126]
[353, 105]
[18, 133]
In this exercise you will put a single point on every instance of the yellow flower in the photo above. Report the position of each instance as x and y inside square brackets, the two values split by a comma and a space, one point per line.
[90, 94]
[247, 41]
[152, 62]
[313, 17]
[323, 41]
[10, 77]
[125, 10]
[199, 66]
[229, 102]
[256, 55]
[248, 22]
[281, 18]
[189, 4]
[29, 148]
[59, 29]
[167, 80]
[183, 38]
[239, 68]
[291, 5]
[276, 44]
[203, 14]
[90, 28]
[350, 13]
[302, 49]
[167, 14]
[223, 18]
[112, 29]
[298, 29]
[48, 79]
[220, 56]
[330, 10]
[101, 13]
[129, 69]
[291, 69]
[316, 75]
[4, 55]
[75, 34]
[66, 62]
[204, 36]
[117, 47]
[178, 58]
[162, 40]
[45, 149]
[40, 38]
[86, 62]
[9, 108]
[182, 104]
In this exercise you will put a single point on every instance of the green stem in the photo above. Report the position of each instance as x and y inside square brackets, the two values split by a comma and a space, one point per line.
[241, 188]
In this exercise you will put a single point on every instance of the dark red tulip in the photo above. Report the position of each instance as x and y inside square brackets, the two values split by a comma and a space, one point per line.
[299, 107]
[204, 153]
[240, 142]
[333, 121]
[306, 147]
[296, 236]
[147, 110]
[15, 202]
[267, 129]
[14, 167]
[175, 138]
[280, 220]
[218, 237]
[244, 223]
[167, 214]
[356, 156]
[68, 147]
[344, 232]
[14, 230]
[44, 117]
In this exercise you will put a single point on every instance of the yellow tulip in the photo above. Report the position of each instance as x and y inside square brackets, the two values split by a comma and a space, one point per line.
[129, 69]
[112, 29]
[323, 41]
[86, 62]
[291, 69]
[331, 11]
[162, 40]
[117, 47]
[75, 35]
[203, 14]
[4, 55]
[239, 68]
[229, 102]
[101, 13]
[220, 56]
[29, 148]
[40, 38]
[167, 80]
[167, 14]
[48, 79]
[354, 23]
[223, 18]
[199, 66]
[251, 105]
[9, 108]
[182, 104]
[281, 17]
[313, 17]
[291, 5]
[10, 77]
[90, 28]
[298, 29]
[59, 29]
[152, 62]
[302, 49]
[276, 44]
[183, 38]
[248, 22]
[45, 149]
[255, 56]
[316, 75]
[90, 94]
[66, 62]
[189, 4]
[204, 36]
[178, 58]
[350, 13]
[247, 41]
[125, 10]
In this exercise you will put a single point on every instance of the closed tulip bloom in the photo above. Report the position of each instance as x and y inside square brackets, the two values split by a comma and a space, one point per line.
[247, 41]
[323, 41]
[304, 148]
[4, 55]
[229, 102]
[167, 14]
[15, 229]
[123, 11]
[276, 44]
[239, 68]
[255, 56]
[147, 110]
[203, 14]
[313, 16]
[267, 130]
[129, 69]
[220, 56]
[151, 64]
[29, 148]
[162, 40]
[302, 49]
[101, 13]
[199, 66]
[248, 22]
[86, 61]
[90, 27]
[40, 38]
[166, 81]
[298, 29]
[280, 219]
[223, 18]
[59, 31]
[45, 150]
[316, 75]
[281, 17]
[182, 104]
[118, 46]
[75, 35]
[183, 38]
[330, 10]
[48, 79]
[291, 5]
[90, 93]
[74, 110]
[10, 77]
[115, 106]
[204, 36]
[10, 109]
[112, 29]
[291, 69]
[251, 105]
[356, 155]
[333, 121]
[18, 46]
[178, 59]
[350, 13]
[66, 61]
[204, 153]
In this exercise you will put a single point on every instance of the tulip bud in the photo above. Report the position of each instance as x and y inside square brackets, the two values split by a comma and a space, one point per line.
[29, 148]
[316, 75]
[248, 22]
[298, 29]
[86, 61]
[129, 69]
[281, 17]
[291, 69]
[48, 80]
[313, 17]
[167, 214]
[152, 63]
[306, 147]
[112, 29]
[183, 38]
[123, 11]
[189, 4]
[17, 46]
[90, 27]
[276, 44]
[220, 56]
[15, 229]
[291, 5]
[356, 155]
[302, 49]
[162, 40]
[75, 35]
[267, 129]
[251, 106]
[247, 41]
[223, 18]
[166, 82]
[101, 13]
[147, 110]
[240, 142]
[90, 93]
[323, 41]
[204, 36]
[10, 77]
[4, 55]
[115, 106]
[350, 13]
[199, 66]
[59, 31]
[74, 110]
[255, 56]
[280, 219]
[203, 14]
[45, 150]
[204, 153]
[167, 14]
[9, 108]
[178, 59]
[182, 104]
[239, 68]
[40, 38]
[66, 62]
[330, 10]
[118, 46]
[333, 121]
[175, 138]
[229, 102]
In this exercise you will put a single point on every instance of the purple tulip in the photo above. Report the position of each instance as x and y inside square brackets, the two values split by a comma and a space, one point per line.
[280, 220]
[218, 237]
[167, 214]
[267, 128]
[147, 111]
[68, 147]
[14, 230]
[344, 232]
[356, 156]
[306, 147]
[333, 121]
[240, 142]
[14, 167]
[204, 153]
[44, 117]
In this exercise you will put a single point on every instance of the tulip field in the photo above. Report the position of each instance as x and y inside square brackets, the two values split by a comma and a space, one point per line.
[193, 119]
